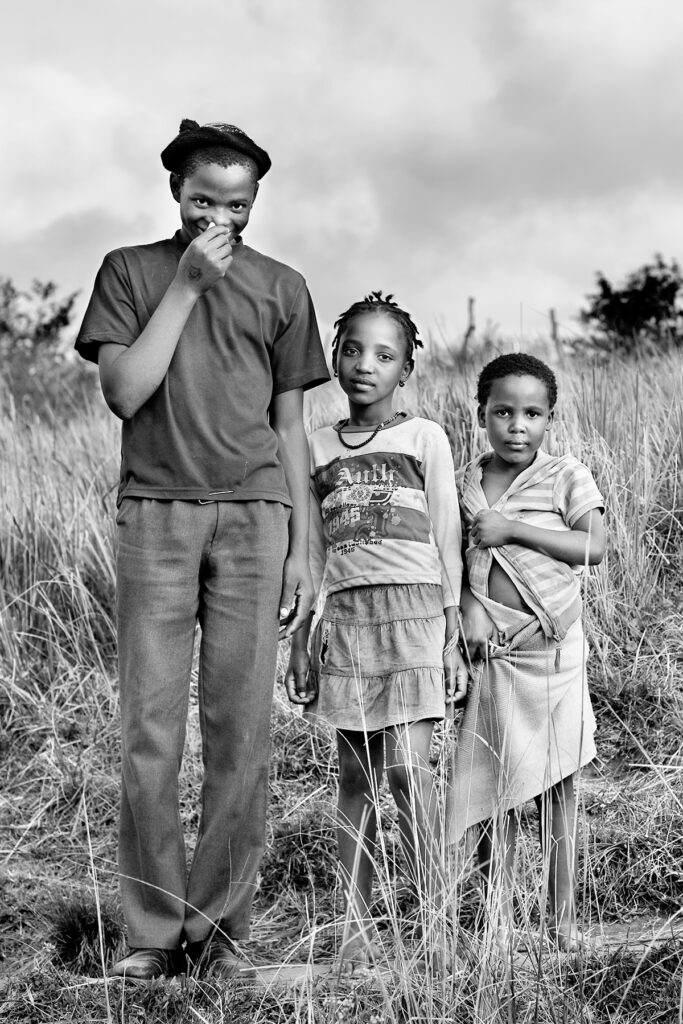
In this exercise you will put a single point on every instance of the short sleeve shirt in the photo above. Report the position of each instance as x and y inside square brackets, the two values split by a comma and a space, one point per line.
[553, 494]
[205, 432]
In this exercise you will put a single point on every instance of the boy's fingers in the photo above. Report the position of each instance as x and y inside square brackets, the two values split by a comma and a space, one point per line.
[451, 678]
[291, 693]
[300, 682]
[294, 610]
[295, 684]
[287, 607]
[287, 627]
[298, 616]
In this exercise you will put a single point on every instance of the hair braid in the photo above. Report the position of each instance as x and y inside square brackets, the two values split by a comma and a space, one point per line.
[375, 302]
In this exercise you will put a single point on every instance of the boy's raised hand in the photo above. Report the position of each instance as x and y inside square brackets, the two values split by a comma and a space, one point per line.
[490, 529]
[300, 688]
[206, 258]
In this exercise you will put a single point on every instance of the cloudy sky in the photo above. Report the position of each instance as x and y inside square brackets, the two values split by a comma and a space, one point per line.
[503, 149]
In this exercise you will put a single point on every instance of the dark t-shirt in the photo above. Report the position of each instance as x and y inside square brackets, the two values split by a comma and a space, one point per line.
[205, 431]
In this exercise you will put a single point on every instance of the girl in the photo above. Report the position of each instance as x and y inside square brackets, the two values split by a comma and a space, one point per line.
[386, 540]
[532, 521]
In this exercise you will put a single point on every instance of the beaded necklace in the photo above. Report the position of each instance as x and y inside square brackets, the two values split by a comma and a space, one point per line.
[344, 423]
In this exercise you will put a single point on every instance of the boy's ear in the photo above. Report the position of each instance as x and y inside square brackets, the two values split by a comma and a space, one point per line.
[255, 190]
[174, 182]
[551, 417]
[481, 416]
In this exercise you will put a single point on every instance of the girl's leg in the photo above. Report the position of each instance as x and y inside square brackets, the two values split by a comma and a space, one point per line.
[412, 785]
[496, 849]
[557, 822]
[361, 759]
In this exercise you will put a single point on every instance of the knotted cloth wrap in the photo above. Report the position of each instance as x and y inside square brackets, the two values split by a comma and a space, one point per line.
[528, 722]
[192, 136]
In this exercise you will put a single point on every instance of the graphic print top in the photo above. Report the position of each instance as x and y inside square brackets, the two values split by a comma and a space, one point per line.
[386, 512]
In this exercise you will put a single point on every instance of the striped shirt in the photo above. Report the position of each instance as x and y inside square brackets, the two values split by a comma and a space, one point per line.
[552, 493]
[387, 512]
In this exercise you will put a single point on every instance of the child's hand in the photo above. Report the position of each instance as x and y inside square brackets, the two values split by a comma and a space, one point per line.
[455, 675]
[477, 629]
[206, 258]
[490, 529]
[300, 688]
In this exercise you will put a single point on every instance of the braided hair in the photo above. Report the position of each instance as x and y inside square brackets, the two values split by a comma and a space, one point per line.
[375, 302]
[516, 364]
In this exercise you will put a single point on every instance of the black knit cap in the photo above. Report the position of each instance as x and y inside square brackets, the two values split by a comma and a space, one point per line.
[193, 136]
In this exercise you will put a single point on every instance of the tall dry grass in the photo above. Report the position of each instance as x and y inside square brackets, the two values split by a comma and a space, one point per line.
[58, 738]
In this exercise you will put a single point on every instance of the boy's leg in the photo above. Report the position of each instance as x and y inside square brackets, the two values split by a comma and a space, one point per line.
[361, 762]
[239, 607]
[159, 546]
[496, 849]
[557, 824]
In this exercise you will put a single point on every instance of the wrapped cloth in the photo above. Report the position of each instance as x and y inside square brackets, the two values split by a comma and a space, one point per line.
[528, 722]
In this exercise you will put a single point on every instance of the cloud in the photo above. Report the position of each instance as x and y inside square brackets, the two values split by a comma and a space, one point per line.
[69, 250]
[505, 150]
[70, 146]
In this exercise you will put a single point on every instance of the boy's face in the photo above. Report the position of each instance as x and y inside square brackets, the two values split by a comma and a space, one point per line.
[222, 195]
[516, 418]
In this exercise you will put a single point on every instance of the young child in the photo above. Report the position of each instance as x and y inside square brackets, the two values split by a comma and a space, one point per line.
[386, 531]
[531, 522]
[204, 349]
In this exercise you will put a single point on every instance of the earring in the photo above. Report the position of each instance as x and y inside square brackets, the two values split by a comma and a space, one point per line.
[401, 383]
[336, 374]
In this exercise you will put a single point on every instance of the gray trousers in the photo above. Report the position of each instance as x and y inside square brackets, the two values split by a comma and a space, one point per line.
[179, 563]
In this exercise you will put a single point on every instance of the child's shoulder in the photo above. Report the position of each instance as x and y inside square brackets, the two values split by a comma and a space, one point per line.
[272, 268]
[423, 423]
[471, 466]
[566, 466]
[323, 440]
[326, 431]
[143, 253]
[424, 428]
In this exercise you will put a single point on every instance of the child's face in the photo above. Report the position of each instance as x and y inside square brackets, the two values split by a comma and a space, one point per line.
[224, 195]
[371, 360]
[516, 417]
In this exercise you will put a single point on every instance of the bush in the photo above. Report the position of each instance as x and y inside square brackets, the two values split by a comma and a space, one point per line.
[644, 313]
[38, 369]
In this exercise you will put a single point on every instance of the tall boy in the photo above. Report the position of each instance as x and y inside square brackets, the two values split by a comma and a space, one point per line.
[205, 347]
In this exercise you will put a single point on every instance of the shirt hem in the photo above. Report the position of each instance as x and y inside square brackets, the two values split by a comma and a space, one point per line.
[378, 579]
[305, 383]
[198, 494]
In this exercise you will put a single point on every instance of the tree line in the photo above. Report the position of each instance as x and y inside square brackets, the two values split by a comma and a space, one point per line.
[641, 315]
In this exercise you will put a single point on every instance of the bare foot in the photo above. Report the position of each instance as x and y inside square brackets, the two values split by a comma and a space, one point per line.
[357, 954]
[567, 937]
[440, 959]
[508, 940]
